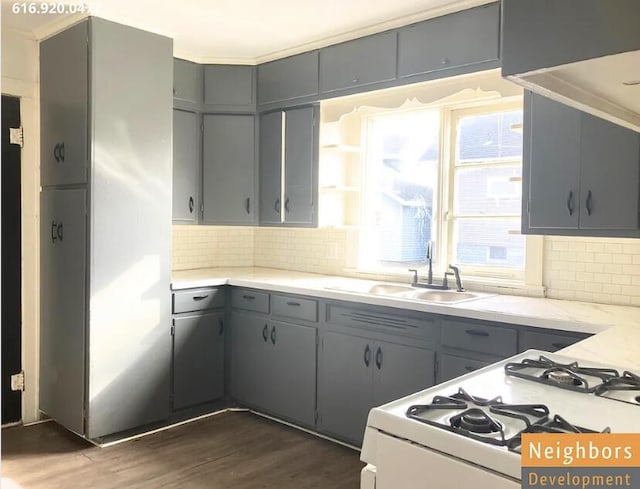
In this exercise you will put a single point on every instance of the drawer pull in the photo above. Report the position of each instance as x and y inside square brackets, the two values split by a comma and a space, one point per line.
[293, 304]
[476, 332]
[248, 297]
[221, 326]
[200, 297]
[469, 368]
[559, 345]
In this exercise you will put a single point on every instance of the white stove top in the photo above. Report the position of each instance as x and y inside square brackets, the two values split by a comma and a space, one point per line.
[581, 409]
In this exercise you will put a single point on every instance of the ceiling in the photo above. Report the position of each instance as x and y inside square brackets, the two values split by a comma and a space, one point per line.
[244, 31]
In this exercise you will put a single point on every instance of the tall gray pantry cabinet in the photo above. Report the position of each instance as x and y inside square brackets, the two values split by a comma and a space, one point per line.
[105, 343]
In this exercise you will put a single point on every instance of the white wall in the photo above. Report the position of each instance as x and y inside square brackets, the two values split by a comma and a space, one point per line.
[20, 78]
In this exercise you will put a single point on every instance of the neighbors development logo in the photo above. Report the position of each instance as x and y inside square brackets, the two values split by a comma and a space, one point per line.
[580, 461]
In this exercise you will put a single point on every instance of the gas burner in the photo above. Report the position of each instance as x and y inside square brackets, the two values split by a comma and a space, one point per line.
[556, 425]
[625, 388]
[476, 421]
[487, 420]
[569, 376]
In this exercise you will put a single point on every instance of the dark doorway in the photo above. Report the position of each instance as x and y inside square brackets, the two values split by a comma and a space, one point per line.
[11, 282]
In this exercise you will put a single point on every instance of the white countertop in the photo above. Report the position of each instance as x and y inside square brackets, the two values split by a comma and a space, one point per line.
[617, 328]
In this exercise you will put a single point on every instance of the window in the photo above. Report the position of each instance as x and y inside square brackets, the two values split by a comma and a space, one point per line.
[450, 175]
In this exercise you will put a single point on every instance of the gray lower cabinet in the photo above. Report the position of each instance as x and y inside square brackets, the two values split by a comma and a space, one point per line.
[228, 169]
[358, 374]
[229, 88]
[187, 83]
[357, 63]
[293, 203]
[63, 241]
[273, 366]
[186, 166]
[566, 187]
[463, 38]
[288, 78]
[198, 359]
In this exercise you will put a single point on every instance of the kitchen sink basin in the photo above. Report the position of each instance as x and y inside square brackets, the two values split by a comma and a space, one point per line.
[389, 289]
[444, 296]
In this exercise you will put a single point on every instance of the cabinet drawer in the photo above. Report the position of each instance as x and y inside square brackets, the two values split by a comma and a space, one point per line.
[452, 366]
[545, 341]
[250, 300]
[474, 336]
[292, 307]
[197, 300]
[380, 321]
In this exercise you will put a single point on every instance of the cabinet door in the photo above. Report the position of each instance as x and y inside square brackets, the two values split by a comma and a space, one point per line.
[250, 355]
[400, 370]
[62, 306]
[345, 385]
[359, 62]
[288, 78]
[300, 165]
[198, 359]
[292, 382]
[270, 167]
[610, 172]
[229, 87]
[187, 81]
[552, 163]
[186, 166]
[228, 166]
[459, 39]
[63, 107]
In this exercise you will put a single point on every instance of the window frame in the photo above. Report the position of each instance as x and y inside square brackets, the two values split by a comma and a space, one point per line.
[443, 205]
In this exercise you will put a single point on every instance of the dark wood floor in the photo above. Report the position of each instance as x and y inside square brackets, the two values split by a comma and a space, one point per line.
[236, 450]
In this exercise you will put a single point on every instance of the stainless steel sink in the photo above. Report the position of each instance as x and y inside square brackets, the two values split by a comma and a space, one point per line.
[444, 296]
[389, 289]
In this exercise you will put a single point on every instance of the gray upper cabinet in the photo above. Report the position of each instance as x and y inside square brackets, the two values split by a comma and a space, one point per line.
[610, 175]
[228, 169]
[360, 62]
[229, 88]
[64, 92]
[186, 166]
[293, 204]
[288, 78]
[270, 164]
[544, 33]
[187, 83]
[198, 359]
[459, 39]
[581, 173]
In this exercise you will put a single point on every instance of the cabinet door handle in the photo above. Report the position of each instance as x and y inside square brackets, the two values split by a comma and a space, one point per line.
[59, 231]
[286, 205]
[62, 151]
[191, 205]
[379, 358]
[247, 205]
[570, 203]
[54, 227]
[265, 332]
[273, 335]
[588, 203]
[476, 332]
[293, 304]
[367, 355]
[200, 297]
[277, 206]
[559, 345]
[56, 152]
[248, 297]
[221, 327]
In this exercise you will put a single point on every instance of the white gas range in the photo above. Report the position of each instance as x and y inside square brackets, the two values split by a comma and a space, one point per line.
[465, 432]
